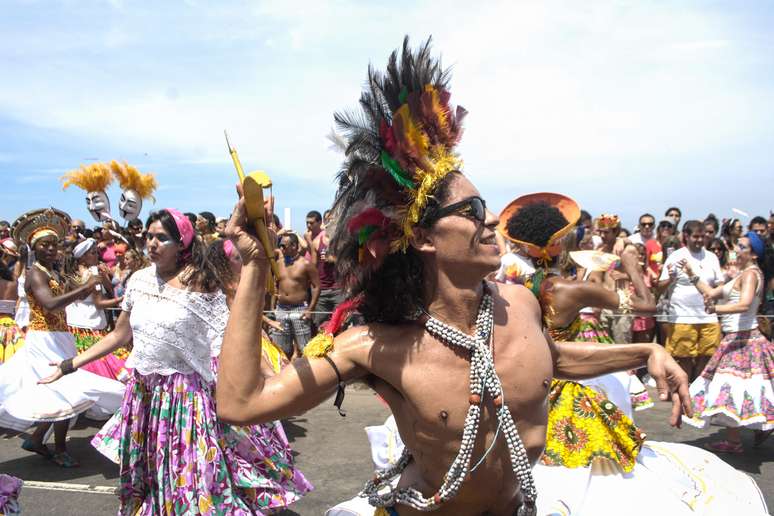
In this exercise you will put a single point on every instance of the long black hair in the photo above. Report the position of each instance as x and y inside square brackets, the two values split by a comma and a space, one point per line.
[200, 272]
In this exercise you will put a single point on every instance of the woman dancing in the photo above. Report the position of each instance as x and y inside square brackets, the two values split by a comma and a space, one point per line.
[736, 388]
[175, 456]
[22, 401]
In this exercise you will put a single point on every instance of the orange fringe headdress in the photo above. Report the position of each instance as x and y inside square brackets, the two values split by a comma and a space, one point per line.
[132, 179]
[94, 177]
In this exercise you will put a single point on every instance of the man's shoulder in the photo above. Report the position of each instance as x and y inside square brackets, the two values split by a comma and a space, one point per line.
[514, 297]
[366, 339]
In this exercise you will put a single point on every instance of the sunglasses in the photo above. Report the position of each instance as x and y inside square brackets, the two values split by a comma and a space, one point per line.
[472, 208]
[647, 224]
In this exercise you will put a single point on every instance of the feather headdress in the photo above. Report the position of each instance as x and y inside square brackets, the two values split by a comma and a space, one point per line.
[608, 221]
[132, 179]
[400, 144]
[95, 177]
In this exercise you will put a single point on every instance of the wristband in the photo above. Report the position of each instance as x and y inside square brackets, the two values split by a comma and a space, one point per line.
[66, 366]
[695, 279]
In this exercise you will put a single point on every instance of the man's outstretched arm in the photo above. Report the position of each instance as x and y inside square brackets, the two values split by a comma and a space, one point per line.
[581, 360]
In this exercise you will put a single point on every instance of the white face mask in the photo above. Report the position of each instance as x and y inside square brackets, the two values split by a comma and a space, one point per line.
[130, 205]
[98, 205]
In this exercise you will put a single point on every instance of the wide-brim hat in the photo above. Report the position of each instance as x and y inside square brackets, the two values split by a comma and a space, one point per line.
[568, 207]
[25, 227]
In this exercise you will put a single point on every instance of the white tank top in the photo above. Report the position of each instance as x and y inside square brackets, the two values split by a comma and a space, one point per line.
[746, 320]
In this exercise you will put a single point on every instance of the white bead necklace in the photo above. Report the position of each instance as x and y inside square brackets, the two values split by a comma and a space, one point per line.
[483, 379]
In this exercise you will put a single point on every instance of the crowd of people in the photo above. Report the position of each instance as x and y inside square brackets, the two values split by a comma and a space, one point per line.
[168, 330]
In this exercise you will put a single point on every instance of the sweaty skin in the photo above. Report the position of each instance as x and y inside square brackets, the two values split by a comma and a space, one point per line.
[422, 378]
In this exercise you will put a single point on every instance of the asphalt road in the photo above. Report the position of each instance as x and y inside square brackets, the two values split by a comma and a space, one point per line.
[332, 451]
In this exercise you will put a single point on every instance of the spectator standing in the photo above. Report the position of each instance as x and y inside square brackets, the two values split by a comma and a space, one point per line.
[645, 227]
[710, 230]
[692, 335]
[759, 227]
[297, 277]
[674, 215]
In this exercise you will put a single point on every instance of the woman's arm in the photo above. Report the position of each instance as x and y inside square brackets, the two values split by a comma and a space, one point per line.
[707, 291]
[120, 336]
[749, 282]
[37, 285]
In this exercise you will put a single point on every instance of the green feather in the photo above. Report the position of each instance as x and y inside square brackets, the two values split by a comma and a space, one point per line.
[397, 173]
[403, 95]
[365, 233]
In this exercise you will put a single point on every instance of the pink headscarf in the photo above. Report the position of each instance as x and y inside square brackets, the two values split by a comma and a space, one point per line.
[228, 248]
[184, 226]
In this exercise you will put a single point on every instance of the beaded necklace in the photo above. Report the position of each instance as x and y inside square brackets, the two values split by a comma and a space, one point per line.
[483, 379]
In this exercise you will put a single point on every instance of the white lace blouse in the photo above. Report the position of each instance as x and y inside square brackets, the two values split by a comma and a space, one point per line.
[174, 330]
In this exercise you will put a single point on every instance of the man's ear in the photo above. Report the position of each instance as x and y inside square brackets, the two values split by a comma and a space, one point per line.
[422, 240]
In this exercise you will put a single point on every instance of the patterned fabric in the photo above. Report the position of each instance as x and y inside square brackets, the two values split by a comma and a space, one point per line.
[41, 320]
[10, 489]
[175, 457]
[293, 328]
[11, 338]
[583, 425]
[737, 386]
[111, 366]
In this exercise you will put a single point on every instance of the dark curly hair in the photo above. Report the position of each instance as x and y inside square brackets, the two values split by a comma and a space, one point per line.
[535, 223]
[201, 273]
[395, 291]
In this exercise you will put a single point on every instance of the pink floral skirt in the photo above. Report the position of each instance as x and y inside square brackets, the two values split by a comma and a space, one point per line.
[177, 458]
[737, 386]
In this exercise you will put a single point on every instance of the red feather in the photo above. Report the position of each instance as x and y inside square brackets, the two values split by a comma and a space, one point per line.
[368, 217]
[340, 314]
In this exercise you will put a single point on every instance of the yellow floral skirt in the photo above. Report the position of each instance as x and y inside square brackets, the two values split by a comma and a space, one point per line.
[11, 338]
[584, 425]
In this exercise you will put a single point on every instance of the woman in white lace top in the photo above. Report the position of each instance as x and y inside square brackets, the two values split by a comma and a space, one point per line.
[175, 456]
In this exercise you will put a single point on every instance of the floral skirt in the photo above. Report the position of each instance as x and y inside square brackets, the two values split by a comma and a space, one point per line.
[175, 457]
[11, 338]
[110, 366]
[584, 425]
[736, 389]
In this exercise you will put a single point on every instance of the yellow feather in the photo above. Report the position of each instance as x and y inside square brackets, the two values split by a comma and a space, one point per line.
[132, 179]
[91, 178]
[319, 346]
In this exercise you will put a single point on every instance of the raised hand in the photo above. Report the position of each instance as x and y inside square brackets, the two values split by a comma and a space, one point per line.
[243, 236]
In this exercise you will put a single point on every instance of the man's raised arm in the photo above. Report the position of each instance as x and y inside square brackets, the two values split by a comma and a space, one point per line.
[244, 396]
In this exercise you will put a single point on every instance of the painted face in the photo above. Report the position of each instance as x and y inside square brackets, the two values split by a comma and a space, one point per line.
[130, 205]
[98, 205]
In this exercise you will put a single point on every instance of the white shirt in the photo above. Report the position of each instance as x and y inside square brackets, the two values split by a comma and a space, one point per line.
[83, 313]
[686, 304]
[173, 330]
[638, 239]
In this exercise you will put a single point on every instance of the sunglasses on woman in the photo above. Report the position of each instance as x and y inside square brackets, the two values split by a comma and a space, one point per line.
[472, 208]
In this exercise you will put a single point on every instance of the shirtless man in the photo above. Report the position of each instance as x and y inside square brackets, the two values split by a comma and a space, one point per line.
[296, 277]
[423, 378]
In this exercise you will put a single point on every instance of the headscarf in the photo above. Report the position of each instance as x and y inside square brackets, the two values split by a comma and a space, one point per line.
[756, 244]
[184, 226]
[83, 248]
[228, 248]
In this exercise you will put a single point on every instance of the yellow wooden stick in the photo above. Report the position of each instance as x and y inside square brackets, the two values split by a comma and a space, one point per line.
[252, 188]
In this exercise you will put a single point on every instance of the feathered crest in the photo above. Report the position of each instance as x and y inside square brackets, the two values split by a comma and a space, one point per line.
[400, 144]
[132, 179]
[608, 221]
[95, 177]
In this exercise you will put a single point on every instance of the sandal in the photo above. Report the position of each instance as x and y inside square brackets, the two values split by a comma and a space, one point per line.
[725, 447]
[64, 460]
[761, 436]
[40, 449]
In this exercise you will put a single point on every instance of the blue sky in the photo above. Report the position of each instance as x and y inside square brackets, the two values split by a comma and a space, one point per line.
[626, 106]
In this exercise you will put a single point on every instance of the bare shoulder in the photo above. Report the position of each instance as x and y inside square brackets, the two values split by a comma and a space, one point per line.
[515, 297]
[365, 344]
